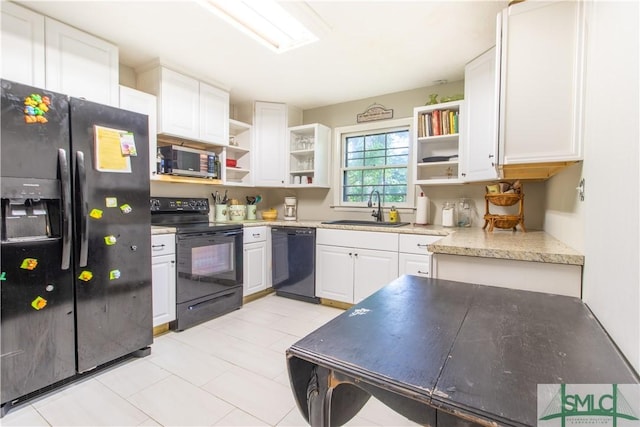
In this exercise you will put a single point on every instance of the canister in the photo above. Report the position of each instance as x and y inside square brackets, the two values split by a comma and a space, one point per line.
[237, 212]
[449, 214]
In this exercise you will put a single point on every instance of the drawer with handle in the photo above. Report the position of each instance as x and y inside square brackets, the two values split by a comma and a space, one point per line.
[416, 243]
[163, 244]
[255, 234]
[417, 265]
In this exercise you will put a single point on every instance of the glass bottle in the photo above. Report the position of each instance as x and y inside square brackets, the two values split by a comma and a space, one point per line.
[464, 213]
[159, 162]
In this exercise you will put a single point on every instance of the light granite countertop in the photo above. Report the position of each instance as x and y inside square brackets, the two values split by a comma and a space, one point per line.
[536, 246]
[433, 230]
[158, 229]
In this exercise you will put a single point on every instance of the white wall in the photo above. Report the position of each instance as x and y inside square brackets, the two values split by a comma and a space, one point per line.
[611, 284]
[127, 76]
[316, 204]
[564, 214]
[402, 104]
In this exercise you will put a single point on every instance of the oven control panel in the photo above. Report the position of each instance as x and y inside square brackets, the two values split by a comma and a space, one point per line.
[179, 204]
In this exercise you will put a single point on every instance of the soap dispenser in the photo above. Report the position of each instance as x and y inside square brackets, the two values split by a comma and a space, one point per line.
[393, 214]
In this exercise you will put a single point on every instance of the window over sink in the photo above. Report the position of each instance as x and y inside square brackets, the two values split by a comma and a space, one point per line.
[374, 156]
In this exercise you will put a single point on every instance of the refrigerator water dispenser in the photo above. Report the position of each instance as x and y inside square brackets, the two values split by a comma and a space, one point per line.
[32, 215]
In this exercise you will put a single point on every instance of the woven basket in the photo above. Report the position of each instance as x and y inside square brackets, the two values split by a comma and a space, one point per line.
[503, 199]
[506, 222]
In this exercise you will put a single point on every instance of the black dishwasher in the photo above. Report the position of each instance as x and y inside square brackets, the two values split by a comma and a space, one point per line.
[293, 258]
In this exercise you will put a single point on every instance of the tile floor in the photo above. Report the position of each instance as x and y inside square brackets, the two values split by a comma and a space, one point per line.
[230, 371]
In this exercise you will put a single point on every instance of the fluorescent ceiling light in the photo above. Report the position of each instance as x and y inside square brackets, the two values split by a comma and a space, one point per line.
[264, 20]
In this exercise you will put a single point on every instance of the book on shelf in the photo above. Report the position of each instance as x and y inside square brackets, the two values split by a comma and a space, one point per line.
[438, 122]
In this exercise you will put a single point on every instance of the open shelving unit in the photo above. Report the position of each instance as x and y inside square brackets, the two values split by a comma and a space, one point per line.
[308, 156]
[239, 149]
[437, 137]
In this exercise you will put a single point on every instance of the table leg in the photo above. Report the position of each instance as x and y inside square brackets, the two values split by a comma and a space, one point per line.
[319, 398]
[332, 399]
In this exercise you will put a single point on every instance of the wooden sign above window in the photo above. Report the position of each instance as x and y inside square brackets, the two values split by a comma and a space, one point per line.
[375, 112]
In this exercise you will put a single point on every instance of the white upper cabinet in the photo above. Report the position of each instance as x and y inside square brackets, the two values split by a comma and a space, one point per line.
[214, 114]
[479, 135]
[22, 33]
[187, 107]
[269, 142]
[143, 103]
[81, 65]
[45, 53]
[179, 106]
[541, 87]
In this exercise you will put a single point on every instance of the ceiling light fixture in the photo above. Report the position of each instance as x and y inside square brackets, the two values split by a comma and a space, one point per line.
[264, 20]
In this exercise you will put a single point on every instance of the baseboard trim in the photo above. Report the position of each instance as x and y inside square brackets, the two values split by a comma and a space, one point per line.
[257, 295]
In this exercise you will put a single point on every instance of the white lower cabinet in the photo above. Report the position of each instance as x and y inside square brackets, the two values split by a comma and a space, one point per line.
[416, 265]
[348, 273]
[163, 273]
[334, 272]
[414, 258]
[372, 271]
[560, 279]
[255, 260]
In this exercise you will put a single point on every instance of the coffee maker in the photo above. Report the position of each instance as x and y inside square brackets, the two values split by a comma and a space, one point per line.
[290, 208]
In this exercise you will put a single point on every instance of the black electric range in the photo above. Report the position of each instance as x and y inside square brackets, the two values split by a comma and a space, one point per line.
[209, 260]
[186, 215]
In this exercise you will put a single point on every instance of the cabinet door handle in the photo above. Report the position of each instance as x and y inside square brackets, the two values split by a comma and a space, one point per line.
[256, 234]
[420, 245]
[491, 156]
[423, 272]
[350, 254]
[356, 255]
[157, 246]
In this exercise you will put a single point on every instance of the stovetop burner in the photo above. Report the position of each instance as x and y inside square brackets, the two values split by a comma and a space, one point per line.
[185, 214]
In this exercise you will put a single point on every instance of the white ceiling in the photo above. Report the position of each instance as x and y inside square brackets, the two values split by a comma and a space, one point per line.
[367, 48]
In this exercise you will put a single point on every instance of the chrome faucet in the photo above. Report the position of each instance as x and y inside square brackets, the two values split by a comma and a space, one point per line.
[377, 214]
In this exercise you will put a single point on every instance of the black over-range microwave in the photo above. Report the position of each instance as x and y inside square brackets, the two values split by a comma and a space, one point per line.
[189, 162]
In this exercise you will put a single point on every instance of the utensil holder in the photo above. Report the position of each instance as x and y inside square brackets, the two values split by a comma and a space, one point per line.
[251, 211]
[222, 213]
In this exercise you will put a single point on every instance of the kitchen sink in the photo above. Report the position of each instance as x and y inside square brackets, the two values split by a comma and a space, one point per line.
[366, 223]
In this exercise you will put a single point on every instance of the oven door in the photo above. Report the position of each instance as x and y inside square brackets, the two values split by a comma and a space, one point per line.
[208, 263]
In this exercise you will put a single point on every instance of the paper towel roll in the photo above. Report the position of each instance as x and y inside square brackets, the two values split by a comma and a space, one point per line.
[422, 209]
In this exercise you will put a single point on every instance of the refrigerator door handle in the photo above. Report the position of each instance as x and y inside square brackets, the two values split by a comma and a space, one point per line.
[65, 181]
[84, 209]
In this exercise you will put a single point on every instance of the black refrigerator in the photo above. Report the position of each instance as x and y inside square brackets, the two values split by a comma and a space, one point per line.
[75, 278]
